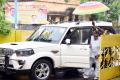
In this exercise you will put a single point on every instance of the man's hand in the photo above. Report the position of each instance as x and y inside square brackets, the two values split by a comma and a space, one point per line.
[93, 23]
[94, 27]
[96, 57]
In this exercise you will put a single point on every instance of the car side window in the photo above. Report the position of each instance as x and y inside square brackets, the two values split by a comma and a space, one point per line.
[68, 34]
[77, 36]
[85, 36]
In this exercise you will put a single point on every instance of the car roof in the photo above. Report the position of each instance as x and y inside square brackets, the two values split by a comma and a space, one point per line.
[81, 24]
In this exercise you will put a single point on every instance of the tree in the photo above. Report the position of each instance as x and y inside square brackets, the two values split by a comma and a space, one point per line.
[4, 25]
[113, 13]
[114, 9]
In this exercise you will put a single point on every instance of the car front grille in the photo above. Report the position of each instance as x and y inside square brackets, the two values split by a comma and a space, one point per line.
[5, 53]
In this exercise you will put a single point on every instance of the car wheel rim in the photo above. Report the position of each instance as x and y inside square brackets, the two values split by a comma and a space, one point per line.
[42, 71]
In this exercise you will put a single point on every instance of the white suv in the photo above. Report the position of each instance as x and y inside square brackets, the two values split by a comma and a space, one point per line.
[52, 46]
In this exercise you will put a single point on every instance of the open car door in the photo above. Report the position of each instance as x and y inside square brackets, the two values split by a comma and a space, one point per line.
[77, 52]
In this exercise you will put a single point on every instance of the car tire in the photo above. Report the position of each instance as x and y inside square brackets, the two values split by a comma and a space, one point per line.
[41, 70]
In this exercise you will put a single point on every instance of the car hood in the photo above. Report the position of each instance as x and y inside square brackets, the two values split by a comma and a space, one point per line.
[23, 45]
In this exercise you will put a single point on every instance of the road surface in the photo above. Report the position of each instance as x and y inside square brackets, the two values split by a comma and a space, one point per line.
[67, 76]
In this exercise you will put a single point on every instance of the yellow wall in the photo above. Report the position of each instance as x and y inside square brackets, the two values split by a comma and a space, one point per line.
[109, 73]
[8, 38]
[22, 35]
[112, 42]
[16, 36]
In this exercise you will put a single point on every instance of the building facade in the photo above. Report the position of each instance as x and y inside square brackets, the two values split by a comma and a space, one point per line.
[57, 10]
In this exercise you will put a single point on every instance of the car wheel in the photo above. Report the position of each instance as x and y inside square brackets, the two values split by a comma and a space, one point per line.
[41, 70]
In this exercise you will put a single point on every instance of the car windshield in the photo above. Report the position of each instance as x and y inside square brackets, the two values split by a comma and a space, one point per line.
[48, 34]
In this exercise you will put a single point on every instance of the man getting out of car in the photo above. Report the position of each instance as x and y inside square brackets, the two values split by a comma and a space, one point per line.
[95, 47]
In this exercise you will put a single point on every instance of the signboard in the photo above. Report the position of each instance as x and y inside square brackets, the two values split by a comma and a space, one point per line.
[27, 13]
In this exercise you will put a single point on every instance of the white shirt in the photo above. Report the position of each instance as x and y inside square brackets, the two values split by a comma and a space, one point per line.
[95, 46]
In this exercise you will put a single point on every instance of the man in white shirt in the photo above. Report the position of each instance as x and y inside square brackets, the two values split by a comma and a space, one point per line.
[95, 47]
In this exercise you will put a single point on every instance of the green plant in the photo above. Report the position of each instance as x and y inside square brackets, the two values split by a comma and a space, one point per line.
[66, 1]
[113, 13]
[114, 9]
[4, 25]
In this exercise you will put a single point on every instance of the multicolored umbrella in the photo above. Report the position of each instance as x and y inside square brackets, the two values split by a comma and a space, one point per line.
[90, 7]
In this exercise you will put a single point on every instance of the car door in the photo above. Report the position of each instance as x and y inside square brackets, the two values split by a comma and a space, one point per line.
[77, 53]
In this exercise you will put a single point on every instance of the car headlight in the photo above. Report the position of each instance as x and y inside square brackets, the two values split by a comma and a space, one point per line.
[24, 52]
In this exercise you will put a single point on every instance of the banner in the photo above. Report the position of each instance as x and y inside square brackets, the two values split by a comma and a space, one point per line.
[27, 13]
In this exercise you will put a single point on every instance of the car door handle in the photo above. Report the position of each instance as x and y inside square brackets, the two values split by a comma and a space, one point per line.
[54, 51]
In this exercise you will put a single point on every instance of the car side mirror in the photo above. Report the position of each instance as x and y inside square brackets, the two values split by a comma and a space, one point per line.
[67, 41]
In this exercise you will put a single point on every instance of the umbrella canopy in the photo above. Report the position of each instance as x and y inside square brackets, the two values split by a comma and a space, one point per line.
[90, 7]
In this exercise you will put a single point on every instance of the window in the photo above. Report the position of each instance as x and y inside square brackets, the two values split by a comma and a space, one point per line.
[48, 34]
[85, 36]
[78, 36]
[68, 35]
